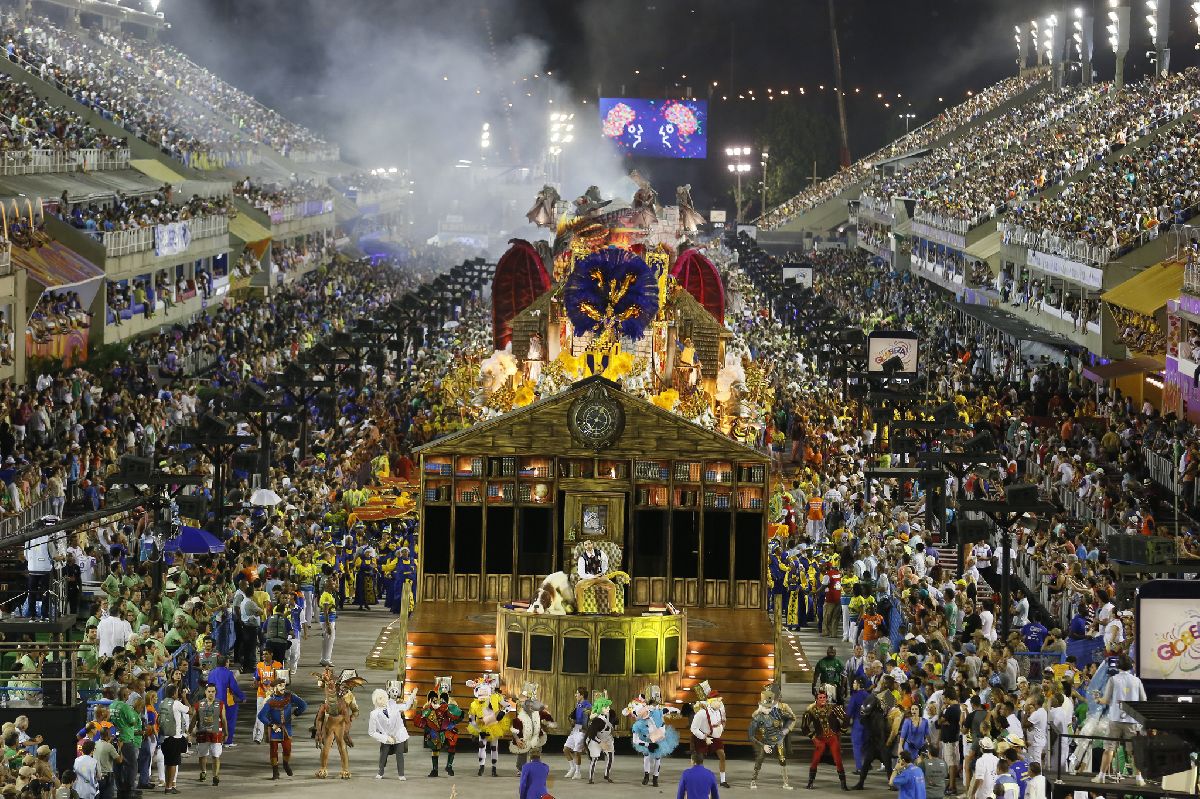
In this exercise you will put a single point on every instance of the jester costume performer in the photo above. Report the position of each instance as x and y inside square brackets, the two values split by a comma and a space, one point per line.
[439, 718]
[769, 728]
[530, 726]
[652, 736]
[276, 717]
[823, 722]
[487, 719]
[599, 735]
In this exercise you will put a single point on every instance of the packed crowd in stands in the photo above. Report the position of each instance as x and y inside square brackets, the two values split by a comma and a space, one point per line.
[945, 124]
[1119, 203]
[266, 197]
[251, 118]
[58, 312]
[125, 212]
[929, 645]
[122, 93]
[1038, 146]
[29, 122]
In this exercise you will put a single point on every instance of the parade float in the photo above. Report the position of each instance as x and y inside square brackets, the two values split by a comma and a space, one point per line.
[602, 522]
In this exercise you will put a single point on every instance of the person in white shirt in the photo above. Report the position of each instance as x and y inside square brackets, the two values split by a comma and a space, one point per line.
[41, 554]
[983, 781]
[112, 632]
[987, 622]
[983, 555]
[1020, 609]
[1061, 716]
[1038, 728]
[1035, 786]
[1122, 687]
[1114, 632]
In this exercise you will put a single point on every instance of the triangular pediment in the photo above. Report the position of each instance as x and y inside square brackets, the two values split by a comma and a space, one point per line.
[541, 428]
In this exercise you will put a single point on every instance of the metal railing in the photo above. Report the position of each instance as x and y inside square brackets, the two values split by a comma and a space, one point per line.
[128, 242]
[41, 161]
[205, 226]
[1073, 249]
[949, 224]
[13, 524]
[329, 152]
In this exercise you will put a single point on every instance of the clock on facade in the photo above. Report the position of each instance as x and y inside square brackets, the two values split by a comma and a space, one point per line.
[596, 420]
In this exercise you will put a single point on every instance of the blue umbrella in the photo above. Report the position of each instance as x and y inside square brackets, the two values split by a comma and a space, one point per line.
[194, 541]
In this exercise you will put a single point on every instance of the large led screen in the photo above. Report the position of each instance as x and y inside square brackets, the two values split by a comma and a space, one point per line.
[656, 128]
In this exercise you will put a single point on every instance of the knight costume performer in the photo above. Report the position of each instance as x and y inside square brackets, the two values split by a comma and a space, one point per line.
[439, 719]
[769, 728]
[824, 721]
[652, 736]
[276, 717]
[689, 220]
[487, 719]
[386, 725]
[708, 725]
[544, 213]
[573, 748]
[644, 201]
[530, 725]
[599, 735]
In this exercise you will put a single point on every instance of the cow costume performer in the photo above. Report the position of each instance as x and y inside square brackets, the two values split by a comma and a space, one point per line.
[652, 736]
[599, 735]
[824, 721]
[530, 725]
[439, 719]
[487, 719]
[708, 725]
[769, 728]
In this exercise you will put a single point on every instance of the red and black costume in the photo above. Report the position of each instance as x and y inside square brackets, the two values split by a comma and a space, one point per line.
[823, 722]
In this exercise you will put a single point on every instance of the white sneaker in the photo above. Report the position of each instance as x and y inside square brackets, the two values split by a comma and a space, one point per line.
[577, 775]
[1098, 778]
[378, 776]
[753, 785]
[570, 773]
[402, 778]
[1139, 780]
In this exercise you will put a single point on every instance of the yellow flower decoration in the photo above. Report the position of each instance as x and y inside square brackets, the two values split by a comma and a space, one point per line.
[571, 365]
[667, 400]
[523, 396]
[619, 365]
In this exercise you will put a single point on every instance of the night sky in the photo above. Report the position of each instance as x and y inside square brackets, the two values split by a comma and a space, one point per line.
[929, 51]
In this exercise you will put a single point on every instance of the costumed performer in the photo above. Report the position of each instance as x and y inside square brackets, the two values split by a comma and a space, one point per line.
[599, 735]
[592, 567]
[530, 725]
[386, 725]
[769, 727]
[276, 715]
[652, 736]
[823, 722]
[439, 719]
[708, 725]
[487, 719]
[573, 748]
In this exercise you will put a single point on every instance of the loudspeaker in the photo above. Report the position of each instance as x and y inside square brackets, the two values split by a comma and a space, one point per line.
[54, 689]
[134, 468]
[192, 506]
[247, 460]
[1161, 754]
[972, 531]
[1021, 495]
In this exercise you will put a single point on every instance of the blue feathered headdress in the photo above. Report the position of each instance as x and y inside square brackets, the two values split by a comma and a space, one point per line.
[611, 290]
